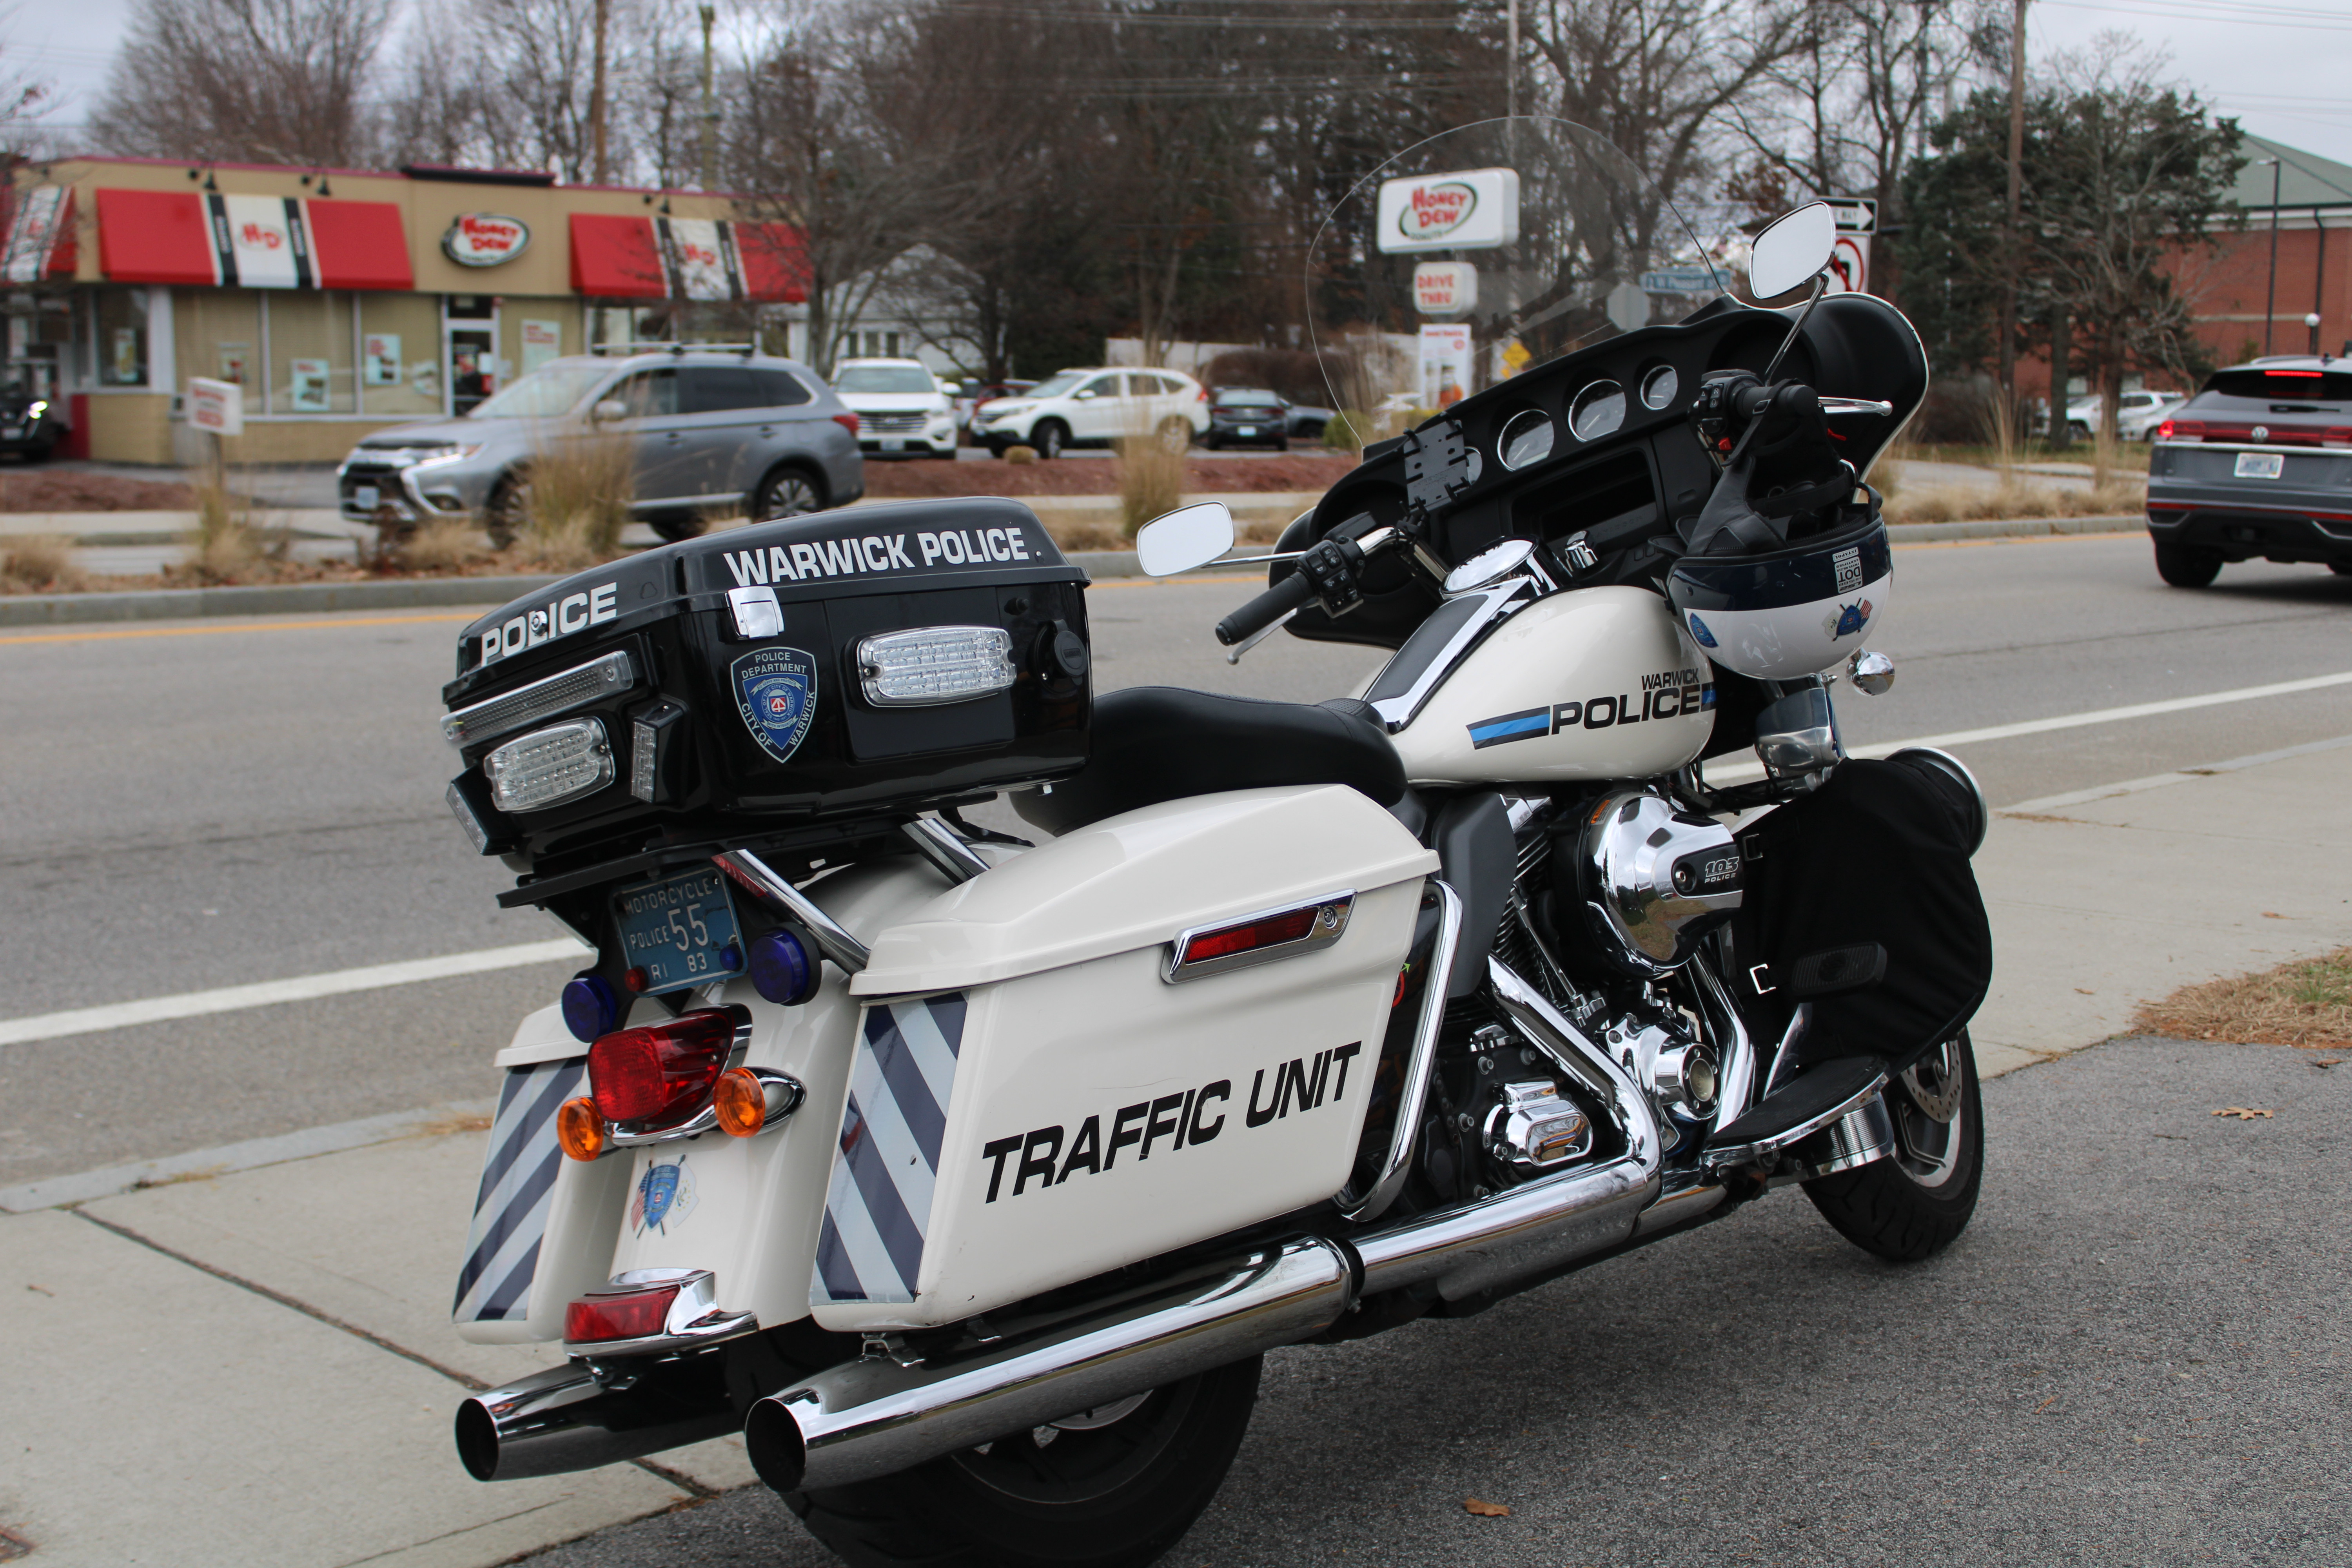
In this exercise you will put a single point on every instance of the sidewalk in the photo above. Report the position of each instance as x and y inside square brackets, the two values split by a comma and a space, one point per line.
[258, 1367]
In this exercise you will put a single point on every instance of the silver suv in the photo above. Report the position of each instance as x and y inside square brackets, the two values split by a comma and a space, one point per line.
[714, 430]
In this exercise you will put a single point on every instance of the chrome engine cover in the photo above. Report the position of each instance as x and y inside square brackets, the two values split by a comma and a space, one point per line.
[1654, 880]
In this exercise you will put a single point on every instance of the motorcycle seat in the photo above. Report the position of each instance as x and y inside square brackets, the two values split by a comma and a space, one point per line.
[1155, 743]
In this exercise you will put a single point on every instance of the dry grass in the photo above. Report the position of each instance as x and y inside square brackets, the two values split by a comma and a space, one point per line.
[578, 501]
[2013, 499]
[1151, 478]
[1087, 536]
[2306, 1004]
[444, 545]
[1021, 457]
[231, 544]
[39, 563]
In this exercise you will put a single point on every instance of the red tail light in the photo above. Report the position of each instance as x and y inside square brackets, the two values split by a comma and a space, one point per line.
[630, 1315]
[663, 1072]
[847, 422]
[1204, 397]
[2164, 431]
[1247, 938]
[2184, 430]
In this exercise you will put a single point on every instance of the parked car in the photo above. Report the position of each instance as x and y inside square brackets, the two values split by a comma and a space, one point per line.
[902, 407]
[2136, 418]
[1306, 422]
[1246, 417]
[32, 415]
[977, 395]
[712, 430]
[2257, 463]
[1094, 408]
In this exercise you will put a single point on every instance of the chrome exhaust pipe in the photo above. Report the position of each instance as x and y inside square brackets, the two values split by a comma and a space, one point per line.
[563, 1419]
[878, 1415]
[1545, 1223]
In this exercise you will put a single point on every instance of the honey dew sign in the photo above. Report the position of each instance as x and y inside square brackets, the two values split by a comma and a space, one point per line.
[1472, 210]
[485, 240]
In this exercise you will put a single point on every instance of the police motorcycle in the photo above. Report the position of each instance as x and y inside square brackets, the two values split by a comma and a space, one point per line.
[970, 1174]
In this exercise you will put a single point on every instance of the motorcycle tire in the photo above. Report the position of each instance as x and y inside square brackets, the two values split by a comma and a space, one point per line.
[1915, 1202]
[1114, 1495]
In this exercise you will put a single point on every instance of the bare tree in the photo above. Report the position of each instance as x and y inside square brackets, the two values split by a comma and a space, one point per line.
[276, 81]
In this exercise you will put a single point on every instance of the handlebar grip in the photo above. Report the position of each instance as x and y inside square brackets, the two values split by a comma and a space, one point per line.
[1268, 608]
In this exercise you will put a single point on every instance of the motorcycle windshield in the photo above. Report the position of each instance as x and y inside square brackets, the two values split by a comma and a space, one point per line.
[1467, 259]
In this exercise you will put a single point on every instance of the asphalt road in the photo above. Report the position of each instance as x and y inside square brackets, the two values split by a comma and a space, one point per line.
[2136, 1355]
[202, 804]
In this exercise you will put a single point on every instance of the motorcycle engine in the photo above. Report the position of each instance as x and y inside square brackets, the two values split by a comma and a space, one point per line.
[1650, 879]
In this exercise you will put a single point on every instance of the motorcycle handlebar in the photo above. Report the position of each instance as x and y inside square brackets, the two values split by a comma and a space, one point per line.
[1290, 594]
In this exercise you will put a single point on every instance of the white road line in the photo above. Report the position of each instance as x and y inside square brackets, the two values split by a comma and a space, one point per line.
[267, 993]
[2069, 720]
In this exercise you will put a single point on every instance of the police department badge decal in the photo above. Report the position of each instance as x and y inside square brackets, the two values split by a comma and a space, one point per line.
[775, 690]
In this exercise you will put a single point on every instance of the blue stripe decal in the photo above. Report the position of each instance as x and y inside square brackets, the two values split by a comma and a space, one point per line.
[833, 1266]
[947, 1013]
[893, 1124]
[1510, 727]
[516, 1290]
[899, 1232]
[922, 1114]
[543, 1104]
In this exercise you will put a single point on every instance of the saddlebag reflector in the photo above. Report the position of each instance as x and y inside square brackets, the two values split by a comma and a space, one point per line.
[518, 1189]
[878, 1207]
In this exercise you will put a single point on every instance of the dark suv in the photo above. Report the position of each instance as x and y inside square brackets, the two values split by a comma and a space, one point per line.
[711, 431]
[2257, 465]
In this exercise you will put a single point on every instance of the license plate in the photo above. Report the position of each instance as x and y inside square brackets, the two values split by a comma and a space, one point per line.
[680, 931]
[2261, 465]
[1246, 430]
[894, 444]
[13, 433]
[365, 498]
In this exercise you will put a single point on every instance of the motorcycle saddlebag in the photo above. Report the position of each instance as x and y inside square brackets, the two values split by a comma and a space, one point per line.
[1860, 898]
[1042, 1094]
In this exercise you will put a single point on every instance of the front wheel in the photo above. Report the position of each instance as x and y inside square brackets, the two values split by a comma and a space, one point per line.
[2186, 566]
[1048, 440]
[509, 514]
[1913, 1203]
[1111, 1487]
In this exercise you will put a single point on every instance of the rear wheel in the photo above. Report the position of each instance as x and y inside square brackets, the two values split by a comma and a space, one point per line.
[1111, 1487]
[787, 492]
[1913, 1203]
[2186, 566]
[1048, 440]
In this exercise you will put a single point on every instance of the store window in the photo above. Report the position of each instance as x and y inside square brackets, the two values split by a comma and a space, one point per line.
[878, 345]
[400, 354]
[120, 319]
[310, 353]
[220, 333]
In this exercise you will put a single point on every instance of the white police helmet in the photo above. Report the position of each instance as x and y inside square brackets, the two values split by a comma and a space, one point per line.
[1794, 611]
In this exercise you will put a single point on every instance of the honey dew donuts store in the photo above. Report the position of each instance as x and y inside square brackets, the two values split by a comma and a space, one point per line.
[341, 301]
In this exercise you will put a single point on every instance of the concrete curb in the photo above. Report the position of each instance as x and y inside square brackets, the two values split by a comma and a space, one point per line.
[316, 598]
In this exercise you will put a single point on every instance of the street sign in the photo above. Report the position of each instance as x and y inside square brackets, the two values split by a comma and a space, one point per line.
[216, 405]
[1472, 210]
[1681, 280]
[1445, 288]
[1850, 265]
[1855, 214]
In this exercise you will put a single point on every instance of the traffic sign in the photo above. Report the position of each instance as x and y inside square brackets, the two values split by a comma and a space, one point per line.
[1855, 214]
[1681, 280]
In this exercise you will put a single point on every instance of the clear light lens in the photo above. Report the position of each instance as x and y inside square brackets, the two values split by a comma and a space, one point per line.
[642, 753]
[527, 705]
[550, 767]
[934, 665]
[460, 809]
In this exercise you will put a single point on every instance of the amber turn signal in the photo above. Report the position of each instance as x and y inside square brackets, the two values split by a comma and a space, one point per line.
[741, 1102]
[579, 1128]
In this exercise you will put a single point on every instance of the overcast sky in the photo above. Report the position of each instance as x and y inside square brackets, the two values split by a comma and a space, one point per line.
[2284, 69]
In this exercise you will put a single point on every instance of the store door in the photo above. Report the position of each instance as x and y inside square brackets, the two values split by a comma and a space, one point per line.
[470, 328]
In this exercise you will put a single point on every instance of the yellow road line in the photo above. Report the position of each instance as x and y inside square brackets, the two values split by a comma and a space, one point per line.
[255, 625]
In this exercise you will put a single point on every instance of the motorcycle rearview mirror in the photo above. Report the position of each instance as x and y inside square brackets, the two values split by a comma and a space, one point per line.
[1180, 540]
[1791, 250]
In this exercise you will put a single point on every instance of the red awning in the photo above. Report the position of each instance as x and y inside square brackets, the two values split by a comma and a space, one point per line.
[665, 259]
[155, 236]
[775, 261]
[170, 236]
[359, 245]
[616, 258]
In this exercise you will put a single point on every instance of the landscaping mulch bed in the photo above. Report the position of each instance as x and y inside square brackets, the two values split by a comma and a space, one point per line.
[69, 490]
[915, 477]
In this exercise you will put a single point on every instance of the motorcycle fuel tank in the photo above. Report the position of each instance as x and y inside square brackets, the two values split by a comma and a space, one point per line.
[1595, 683]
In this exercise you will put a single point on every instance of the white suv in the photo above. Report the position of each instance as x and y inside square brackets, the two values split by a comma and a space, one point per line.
[1094, 408]
[900, 406]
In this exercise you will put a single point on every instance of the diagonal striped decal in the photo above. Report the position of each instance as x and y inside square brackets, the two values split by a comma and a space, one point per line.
[518, 1171]
[879, 1206]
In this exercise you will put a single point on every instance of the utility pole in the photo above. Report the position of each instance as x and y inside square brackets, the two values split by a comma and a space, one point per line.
[2016, 195]
[1511, 67]
[596, 116]
[709, 109]
[2270, 304]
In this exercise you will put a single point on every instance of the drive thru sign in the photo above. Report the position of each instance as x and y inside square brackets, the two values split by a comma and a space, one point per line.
[217, 405]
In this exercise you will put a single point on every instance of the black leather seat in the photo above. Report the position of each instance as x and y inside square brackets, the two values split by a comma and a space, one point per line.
[1153, 743]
